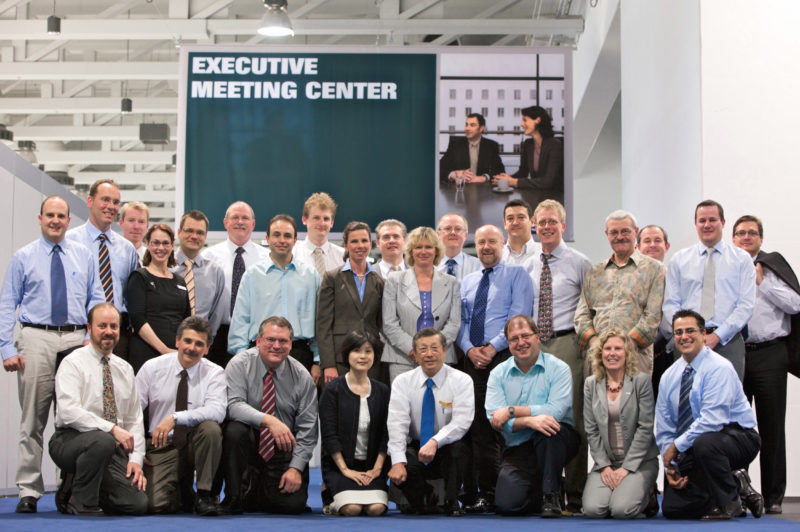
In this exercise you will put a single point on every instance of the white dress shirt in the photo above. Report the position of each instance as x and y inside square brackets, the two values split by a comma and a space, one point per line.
[531, 250]
[79, 396]
[454, 395]
[465, 265]
[223, 254]
[384, 268]
[332, 254]
[775, 303]
[158, 381]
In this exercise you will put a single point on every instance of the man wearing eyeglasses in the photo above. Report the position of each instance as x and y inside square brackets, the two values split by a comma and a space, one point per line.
[624, 291]
[766, 353]
[529, 401]
[715, 279]
[557, 276]
[452, 230]
[272, 426]
[705, 431]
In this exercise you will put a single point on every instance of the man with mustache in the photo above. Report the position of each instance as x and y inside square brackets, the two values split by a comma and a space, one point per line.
[624, 291]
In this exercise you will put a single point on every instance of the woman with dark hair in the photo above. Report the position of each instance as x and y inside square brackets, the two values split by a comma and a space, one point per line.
[157, 300]
[352, 411]
[618, 413]
[541, 159]
[349, 298]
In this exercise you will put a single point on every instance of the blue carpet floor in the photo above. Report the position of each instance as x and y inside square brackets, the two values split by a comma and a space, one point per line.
[49, 519]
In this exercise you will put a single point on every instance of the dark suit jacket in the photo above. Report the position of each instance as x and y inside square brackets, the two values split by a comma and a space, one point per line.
[780, 267]
[549, 179]
[457, 157]
[339, 311]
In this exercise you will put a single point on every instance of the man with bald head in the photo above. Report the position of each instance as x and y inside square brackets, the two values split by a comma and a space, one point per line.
[234, 256]
[652, 241]
[49, 286]
[452, 230]
[489, 297]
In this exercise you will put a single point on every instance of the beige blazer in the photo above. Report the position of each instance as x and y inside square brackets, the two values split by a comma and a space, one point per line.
[402, 307]
[637, 411]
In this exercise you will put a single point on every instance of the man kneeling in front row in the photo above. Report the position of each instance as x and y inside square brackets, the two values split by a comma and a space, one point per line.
[705, 431]
[99, 438]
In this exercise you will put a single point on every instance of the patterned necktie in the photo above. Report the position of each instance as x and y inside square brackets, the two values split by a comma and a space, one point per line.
[394, 268]
[266, 441]
[105, 268]
[685, 417]
[109, 404]
[479, 310]
[319, 261]
[428, 419]
[188, 278]
[707, 294]
[58, 289]
[180, 432]
[545, 317]
[451, 267]
[236, 278]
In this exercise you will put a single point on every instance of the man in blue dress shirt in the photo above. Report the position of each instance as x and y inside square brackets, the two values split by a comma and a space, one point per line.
[721, 286]
[489, 297]
[53, 283]
[705, 431]
[114, 256]
[529, 401]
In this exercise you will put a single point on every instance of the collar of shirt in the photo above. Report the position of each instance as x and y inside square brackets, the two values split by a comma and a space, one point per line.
[95, 232]
[538, 364]
[558, 252]
[49, 246]
[438, 379]
[529, 247]
[248, 246]
[475, 144]
[702, 248]
[291, 266]
[282, 368]
[197, 262]
[177, 368]
[458, 258]
[310, 246]
[348, 268]
[635, 258]
[697, 362]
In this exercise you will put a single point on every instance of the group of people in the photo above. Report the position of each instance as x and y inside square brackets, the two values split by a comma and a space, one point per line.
[498, 374]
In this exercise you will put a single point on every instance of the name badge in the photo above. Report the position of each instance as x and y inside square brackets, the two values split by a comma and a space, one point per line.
[181, 287]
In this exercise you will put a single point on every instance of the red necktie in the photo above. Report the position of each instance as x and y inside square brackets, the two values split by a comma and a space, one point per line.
[266, 441]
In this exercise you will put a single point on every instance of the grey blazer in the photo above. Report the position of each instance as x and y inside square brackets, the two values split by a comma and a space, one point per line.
[637, 412]
[402, 307]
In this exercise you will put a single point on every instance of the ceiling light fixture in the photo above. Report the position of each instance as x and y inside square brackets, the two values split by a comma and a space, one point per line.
[26, 149]
[276, 22]
[6, 136]
[53, 22]
[126, 106]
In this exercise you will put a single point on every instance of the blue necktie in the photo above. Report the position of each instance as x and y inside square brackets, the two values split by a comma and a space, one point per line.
[428, 414]
[479, 310]
[451, 267]
[684, 407]
[58, 288]
[236, 278]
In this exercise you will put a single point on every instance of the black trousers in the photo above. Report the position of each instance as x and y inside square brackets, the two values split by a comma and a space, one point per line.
[218, 352]
[482, 444]
[765, 372]
[532, 469]
[445, 465]
[709, 464]
[256, 482]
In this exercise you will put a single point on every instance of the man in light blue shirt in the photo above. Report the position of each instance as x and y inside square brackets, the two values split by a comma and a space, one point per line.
[51, 283]
[705, 431]
[280, 286]
[726, 299]
[529, 400]
[121, 257]
[488, 299]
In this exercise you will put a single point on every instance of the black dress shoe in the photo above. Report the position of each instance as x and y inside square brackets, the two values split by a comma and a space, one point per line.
[774, 508]
[26, 505]
[750, 497]
[205, 504]
[715, 514]
[652, 505]
[480, 506]
[452, 509]
[431, 504]
[64, 492]
[77, 508]
[551, 506]
[231, 506]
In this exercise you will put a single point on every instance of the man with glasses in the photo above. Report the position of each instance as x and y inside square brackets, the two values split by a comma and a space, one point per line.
[715, 279]
[452, 230]
[557, 276]
[624, 291]
[705, 431]
[766, 353]
[529, 401]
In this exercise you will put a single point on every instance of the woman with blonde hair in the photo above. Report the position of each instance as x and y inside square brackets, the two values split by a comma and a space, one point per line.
[618, 415]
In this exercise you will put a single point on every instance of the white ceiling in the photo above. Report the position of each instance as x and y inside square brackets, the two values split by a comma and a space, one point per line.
[63, 92]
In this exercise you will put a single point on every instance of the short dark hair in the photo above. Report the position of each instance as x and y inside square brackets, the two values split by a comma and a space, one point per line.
[427, 332]
[282, 218]
[356, 339]
[196, 324]
[688, 313]
[354, 226]
[194, 214]
[166, 229]
[277, 321]
[749, 218]
[48, 198]
[96, 185]
[654, 226]
[545, 127]
[710, 203]
[479, 117]
[104, 304]
[518, 203]
[521, 317]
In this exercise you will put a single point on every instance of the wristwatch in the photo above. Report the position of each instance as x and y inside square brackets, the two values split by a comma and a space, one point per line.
[511, 411]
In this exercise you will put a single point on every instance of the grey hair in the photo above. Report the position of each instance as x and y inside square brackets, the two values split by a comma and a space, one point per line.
[621, 214]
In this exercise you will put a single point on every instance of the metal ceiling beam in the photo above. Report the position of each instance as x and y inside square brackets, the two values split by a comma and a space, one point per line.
[74, 70]
[62, 106]
[104, 157]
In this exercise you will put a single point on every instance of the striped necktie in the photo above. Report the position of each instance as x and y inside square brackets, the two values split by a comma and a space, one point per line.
[188, 278]
[685, 417]
[105, 268]
[266, 441]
